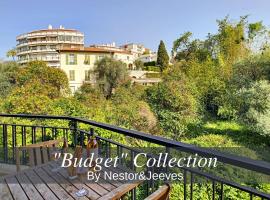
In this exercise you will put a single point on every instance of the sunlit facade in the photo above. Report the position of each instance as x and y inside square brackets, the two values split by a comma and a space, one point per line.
[43, 44]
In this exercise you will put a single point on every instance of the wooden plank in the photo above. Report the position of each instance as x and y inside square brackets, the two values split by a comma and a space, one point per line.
[45, 154]
[38, 156]
[63, 182]
[28, 187]
[114, 183]
[54, 186]
[45, 143]
[31, 157]
[18, 162]
[117, 193]
[78, 184]
[161, 194]
[4, 190]
[117, 170]
[106, 184]
[15, 188]
[97, 188]
[43, 189]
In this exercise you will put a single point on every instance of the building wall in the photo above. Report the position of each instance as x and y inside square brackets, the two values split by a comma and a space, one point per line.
[42, 44]
[128, 59]
[79, 67]
[148, 57]
[136, 49]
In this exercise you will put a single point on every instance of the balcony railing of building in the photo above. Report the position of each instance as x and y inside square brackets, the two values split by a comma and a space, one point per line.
[21, 129]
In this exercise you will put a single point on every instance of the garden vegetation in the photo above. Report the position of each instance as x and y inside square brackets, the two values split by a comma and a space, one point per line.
[215, 93]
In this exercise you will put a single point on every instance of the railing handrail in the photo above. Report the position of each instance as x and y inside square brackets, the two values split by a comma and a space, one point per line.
[239, 161]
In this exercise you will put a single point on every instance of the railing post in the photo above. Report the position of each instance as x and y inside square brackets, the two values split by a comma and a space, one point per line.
[90, 134]
[73, 127]
[133, 168]
[81, 138]
[5, 144]
[14, 143]
[168, 152]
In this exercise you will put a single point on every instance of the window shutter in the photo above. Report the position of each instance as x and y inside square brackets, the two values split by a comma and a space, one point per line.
[66, 59]
[75, 59]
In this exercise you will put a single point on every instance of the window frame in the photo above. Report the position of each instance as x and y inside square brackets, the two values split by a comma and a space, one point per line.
[72, 75]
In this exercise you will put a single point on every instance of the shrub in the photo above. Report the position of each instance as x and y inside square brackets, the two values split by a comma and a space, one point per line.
[250, 105]
[152, 63]
[174, 105]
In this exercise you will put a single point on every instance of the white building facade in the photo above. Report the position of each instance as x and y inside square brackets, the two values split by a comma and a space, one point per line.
[64, 48]
[43, 44]
[79, 63]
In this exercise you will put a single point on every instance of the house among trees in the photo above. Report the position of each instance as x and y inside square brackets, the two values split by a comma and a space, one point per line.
[64, 48]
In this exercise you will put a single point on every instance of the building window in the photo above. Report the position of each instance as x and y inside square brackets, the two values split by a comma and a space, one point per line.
[72, 75]
[100, 57]
[87, 59]
[87, 75]
[71, 59]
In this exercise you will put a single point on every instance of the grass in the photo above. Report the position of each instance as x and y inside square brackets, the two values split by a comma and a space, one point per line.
[231, 137]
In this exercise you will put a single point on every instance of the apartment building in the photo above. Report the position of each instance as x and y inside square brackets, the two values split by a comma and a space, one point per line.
[129, 60]
[64, 48]
[149, 57]
[136, 49]
[78, 63]
[43, 44]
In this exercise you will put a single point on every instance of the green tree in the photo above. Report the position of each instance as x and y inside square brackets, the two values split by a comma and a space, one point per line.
[175, 104]
[250, 105]
[253, 68]
[28, 99]
[130, 109]
[7, 77]
[92, 97]
[139, 64]
[55, 80]
[110, 73]
[162, 56]
[36, 87]
[11, 53]
[185, 49]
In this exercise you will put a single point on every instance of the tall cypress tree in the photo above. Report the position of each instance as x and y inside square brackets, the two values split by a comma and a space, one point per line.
[162, 56]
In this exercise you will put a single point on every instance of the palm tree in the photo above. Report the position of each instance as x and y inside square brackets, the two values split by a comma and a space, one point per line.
[12, 53]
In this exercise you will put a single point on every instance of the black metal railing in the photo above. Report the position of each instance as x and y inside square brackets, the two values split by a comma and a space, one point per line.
[36, 128]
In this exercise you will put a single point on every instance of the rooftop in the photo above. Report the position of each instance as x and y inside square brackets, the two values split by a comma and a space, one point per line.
[50, 29]
[93, 49]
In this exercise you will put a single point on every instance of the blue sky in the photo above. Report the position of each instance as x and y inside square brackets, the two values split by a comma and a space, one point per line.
[122, 21]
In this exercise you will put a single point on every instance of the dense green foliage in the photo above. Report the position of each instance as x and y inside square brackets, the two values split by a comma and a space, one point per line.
[162, 56]
[174, 105]
[139, 64]
[7, 77]
[216, 94]
[12, 53]
[152, 63]
[110, 73]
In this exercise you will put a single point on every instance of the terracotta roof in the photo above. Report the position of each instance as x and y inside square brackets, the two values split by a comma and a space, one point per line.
[92, 49]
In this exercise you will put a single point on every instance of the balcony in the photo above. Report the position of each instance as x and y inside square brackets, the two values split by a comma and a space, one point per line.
[20, 129]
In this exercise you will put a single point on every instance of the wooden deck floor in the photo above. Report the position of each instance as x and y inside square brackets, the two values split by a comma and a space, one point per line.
[41, 183]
